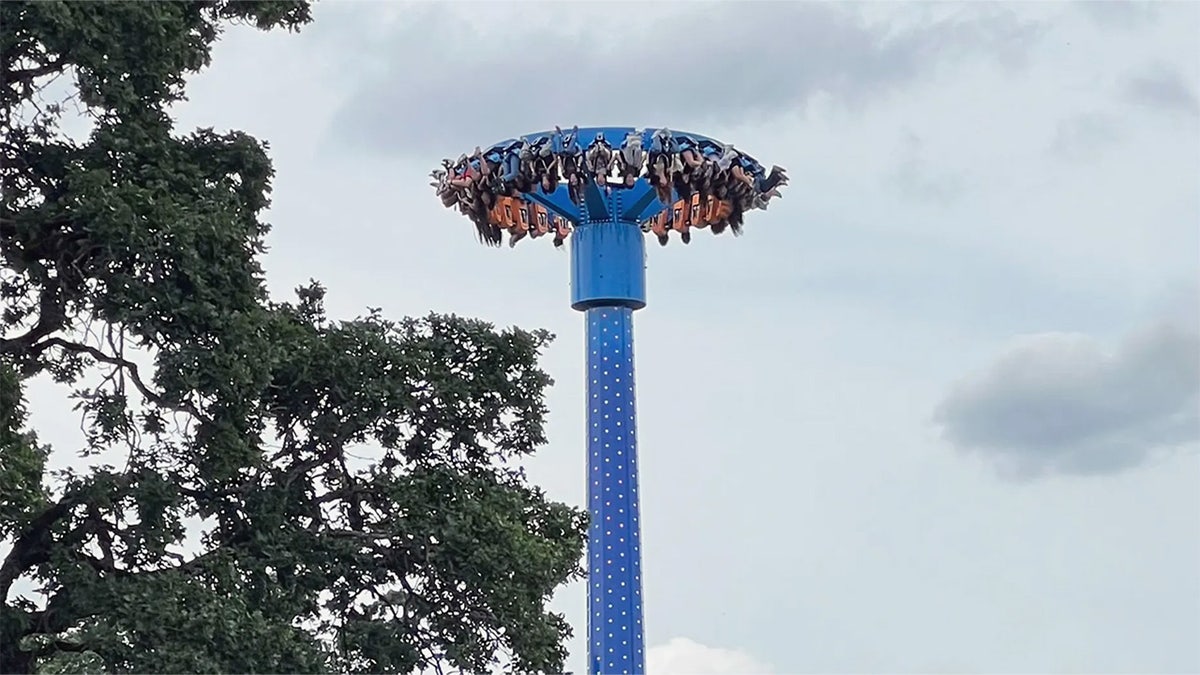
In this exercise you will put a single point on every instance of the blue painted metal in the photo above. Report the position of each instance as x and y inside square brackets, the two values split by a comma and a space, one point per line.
[608, 255]
[641, 199]
[595, 203]
[559, 202]
[608, 267]
[608, 282]
[616, 640]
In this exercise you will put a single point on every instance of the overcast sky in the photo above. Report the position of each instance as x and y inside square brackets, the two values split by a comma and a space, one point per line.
[935, 412]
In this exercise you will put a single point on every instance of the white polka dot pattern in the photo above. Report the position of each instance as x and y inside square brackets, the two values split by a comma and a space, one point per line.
[615, 633]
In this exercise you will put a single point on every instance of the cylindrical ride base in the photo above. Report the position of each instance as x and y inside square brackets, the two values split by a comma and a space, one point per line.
[616, 642]
[608, 266]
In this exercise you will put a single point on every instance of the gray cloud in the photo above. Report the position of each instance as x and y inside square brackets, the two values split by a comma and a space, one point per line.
[1083, 137]
[729, 63]
[1057, 403]
[1162, 87]
[1121, 14]
[918, 178]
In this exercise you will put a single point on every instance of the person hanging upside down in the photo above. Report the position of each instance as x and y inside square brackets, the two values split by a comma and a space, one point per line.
[663, 164]
[660, 228]
[631, 158]
[562, 228]
[600, 160]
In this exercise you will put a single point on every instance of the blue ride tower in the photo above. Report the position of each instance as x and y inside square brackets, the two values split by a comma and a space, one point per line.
[608, 283]
[607, 224]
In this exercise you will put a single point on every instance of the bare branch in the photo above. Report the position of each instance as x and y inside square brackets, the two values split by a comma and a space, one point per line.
[131, 370]
[29, 74]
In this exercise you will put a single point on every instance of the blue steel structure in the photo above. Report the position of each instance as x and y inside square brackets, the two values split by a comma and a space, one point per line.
[608, 283]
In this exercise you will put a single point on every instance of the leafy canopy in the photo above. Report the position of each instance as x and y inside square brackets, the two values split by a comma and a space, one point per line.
[247, 420]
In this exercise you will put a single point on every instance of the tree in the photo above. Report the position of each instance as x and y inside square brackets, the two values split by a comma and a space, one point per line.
[140, 246]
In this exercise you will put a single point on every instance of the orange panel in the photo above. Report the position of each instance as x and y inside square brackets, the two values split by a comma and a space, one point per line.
[698, 213]
[561, 227]
[659, 224]
[522, 213]
[679, 211]
[503, 213]
[541, 218]
[726, 208]
[496, 214]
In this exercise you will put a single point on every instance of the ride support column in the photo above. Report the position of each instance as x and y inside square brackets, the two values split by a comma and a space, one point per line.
[608, 282]
[615, 631]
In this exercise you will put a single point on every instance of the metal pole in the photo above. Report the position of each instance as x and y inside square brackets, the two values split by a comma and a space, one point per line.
[615, 634]
[608, 282]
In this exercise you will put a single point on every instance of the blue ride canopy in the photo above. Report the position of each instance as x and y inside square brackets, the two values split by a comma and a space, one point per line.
[642, 203]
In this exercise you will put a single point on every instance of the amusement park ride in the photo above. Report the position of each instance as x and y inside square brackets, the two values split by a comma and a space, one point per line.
[665, 182]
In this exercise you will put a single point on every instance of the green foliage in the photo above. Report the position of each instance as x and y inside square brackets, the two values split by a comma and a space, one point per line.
[354, 481]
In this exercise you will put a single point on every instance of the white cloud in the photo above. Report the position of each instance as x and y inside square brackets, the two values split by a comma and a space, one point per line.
[681, 656]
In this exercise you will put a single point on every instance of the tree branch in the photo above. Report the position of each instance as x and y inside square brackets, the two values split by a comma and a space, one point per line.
[130, 368]
[33, 546]
[27, 74]
[51, 315]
